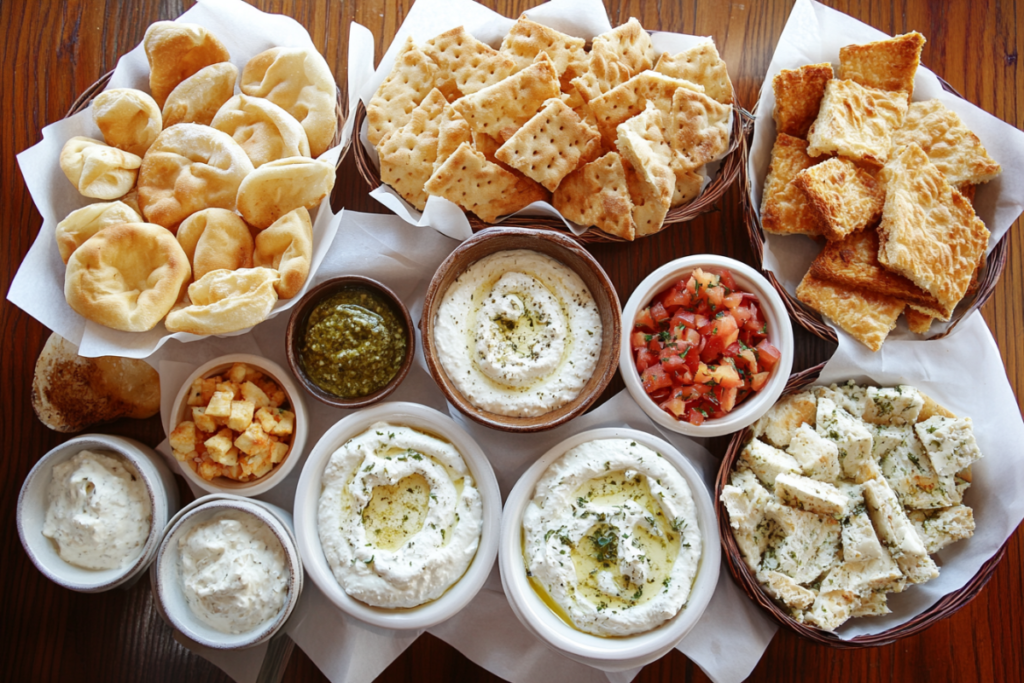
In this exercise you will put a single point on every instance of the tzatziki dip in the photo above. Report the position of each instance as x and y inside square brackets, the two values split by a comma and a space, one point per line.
[234, 575]
[98, 511]
[518, 333]
[400, 516]
[611, 540]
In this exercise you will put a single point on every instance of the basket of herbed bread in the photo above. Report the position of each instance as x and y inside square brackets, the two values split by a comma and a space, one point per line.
[889, 185]
[206, 193]
[620, 137]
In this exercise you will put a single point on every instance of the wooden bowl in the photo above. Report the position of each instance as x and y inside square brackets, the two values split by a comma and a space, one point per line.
[297, 325]
[744, 577]
[564, 250]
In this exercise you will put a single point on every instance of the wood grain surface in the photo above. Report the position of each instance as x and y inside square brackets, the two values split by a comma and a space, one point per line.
[53, 50]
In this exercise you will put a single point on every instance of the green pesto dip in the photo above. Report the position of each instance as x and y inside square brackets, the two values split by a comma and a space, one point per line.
[354, 343]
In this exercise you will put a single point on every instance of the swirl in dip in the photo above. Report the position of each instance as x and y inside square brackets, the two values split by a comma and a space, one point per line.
[99, 512]
[611, 540]
[400, 517]
[518, 333]
[233, 572]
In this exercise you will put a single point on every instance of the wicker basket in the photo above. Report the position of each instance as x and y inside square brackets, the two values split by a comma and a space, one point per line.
[741, 573]
[810, 319]
[96, 88]
[732, 163]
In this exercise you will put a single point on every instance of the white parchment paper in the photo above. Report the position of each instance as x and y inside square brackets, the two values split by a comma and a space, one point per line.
[729, 639]
[428, 18]
[38, 287]
[813, 34]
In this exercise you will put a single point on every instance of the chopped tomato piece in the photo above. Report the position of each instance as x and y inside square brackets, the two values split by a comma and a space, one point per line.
[695, 418]
[750, 358]
[644, 320]
[733, 301]
[684, 318]
[638, 340]
[676, 297]
[655, 378]
[644, 360]
[674, 406]
[726, 397]
[654, 346]
[732, 350]
[715, 297]
[768, 354]
[758, 381]
[658, 313]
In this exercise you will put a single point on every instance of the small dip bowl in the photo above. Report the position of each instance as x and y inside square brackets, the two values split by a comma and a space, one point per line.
[32, 504]
[297, 329]
[780, 334]
[165, 573]
[566, 251]
[307, 505]
[181, 411]
[615, 653]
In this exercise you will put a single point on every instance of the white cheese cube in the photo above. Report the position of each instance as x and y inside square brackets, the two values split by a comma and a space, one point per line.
[899, 405]
[745, 500]
[241, 415]
[851, 437]
[884, 438]
[232, 388]
[912, 478]
[251, 392]
[808, 545]
[949, 442]
[865, 577]
[850, 397]
[786, 590]
[831, 610]
[939, 528]
[768, 462]
[220, 404]
[229, 458]
[203, 421]
[219, 444]
[897, 532]
[874, 605]
[808, 494]
[860, 543]
[253, 440]
[781, 422]
[818, 457]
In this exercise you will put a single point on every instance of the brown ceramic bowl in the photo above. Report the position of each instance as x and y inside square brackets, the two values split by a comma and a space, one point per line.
[297, 325]
[568, 252]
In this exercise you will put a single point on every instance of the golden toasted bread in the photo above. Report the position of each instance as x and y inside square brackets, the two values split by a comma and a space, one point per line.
[918, 321]
[856, 122]
[784, 207]
[846, 198]
[866, 317]
[798, 94]
[885, 64]
[949, 144]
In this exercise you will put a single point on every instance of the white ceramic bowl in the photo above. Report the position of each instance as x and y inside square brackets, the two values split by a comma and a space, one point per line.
[608, 654]
[780, 334]
[165, 575]
[181, 411]
[32, 503]
[307, 501]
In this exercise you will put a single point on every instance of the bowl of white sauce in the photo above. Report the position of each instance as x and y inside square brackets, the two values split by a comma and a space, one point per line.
[92, 511]
[609, 548]
[397, 514]
[228, 573]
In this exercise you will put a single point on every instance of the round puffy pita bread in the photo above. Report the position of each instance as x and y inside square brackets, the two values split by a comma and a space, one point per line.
[278, 187]
[287, 247]
[215, 239]
[175, 51]
[226, 301]
[187, 169]
[70, 393]
[127, 277]
[83, 223]
[198, 98]
[129, 119]
[264, 130]
[98, 170]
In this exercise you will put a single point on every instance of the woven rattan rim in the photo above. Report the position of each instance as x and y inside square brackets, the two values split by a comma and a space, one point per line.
[810, 319]
[741, 573]
[732, 163]
[96, 88]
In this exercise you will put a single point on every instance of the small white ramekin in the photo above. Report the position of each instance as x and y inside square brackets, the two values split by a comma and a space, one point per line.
[607, 654]
[780, 334]
[180, 412]
[307, 502]
[166, 572]
[32, 504]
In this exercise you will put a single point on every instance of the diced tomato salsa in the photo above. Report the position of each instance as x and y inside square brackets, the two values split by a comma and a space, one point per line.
[701, 346]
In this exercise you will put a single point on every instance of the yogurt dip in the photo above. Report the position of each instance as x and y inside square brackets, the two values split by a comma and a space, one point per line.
[611, 540]
[233, 572]
[98, 511]
[400, 517]
[518, 333]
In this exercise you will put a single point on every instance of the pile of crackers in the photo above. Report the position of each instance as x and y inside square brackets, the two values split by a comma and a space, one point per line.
[887, 183]
[611, 137]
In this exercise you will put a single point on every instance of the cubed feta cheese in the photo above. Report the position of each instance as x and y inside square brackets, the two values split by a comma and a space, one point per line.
[220, 404]
[818, 457]
[768, 462]
[874, 605]
[809, 494]
[850, 397]
[939, 528]
[862, 578]
[241, 415]
[745, 500]
[830, 610]
[884, 438]
[949, 442]
[851, 437]
[807, 546]
[781, 422]
[899, 405]
[897, 532]
[786, 590]
[860, 543]
[912, 478]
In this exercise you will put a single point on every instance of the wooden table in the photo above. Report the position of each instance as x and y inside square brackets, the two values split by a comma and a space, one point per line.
[53, 50]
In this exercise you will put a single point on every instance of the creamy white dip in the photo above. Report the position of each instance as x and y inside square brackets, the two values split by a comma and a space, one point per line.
[233, 572]
[518, 333]
[98, 511]
[611, 539]
[400, 517]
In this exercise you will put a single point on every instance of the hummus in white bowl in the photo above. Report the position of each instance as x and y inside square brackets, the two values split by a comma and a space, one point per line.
[400, 516]
[611, 538]
[518, 333]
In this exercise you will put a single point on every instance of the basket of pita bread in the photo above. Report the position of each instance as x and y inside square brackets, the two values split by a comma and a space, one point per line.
[610, 135]
[200, 173]
[875, 194]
